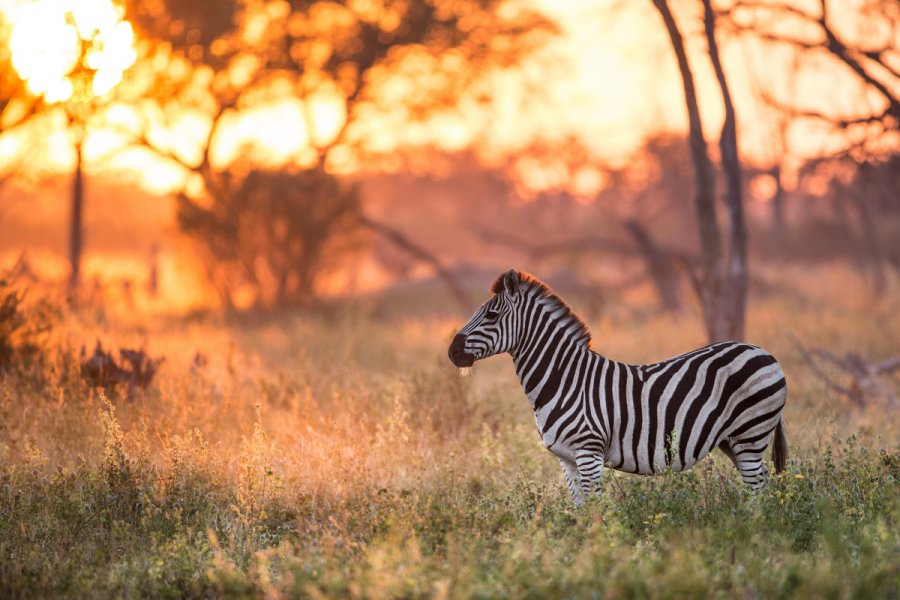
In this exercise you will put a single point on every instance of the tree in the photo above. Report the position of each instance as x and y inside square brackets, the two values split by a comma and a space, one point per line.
[863, 198]
[343, 54]
[634, 215]
[862, 42]
[99, 50]
[722, 274]
[870, 55]
[276, 235]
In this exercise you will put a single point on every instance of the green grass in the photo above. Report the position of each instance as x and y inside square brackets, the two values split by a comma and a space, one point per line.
[344, 457]
[126, 527]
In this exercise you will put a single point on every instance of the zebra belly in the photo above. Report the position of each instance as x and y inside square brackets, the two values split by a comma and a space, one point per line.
[643, 466]
[690, 422]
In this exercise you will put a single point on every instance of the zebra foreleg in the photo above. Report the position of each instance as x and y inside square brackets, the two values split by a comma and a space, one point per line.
[590, 470]
[571, 472]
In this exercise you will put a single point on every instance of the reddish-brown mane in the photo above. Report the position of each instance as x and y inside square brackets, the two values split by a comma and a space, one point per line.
[535, 286]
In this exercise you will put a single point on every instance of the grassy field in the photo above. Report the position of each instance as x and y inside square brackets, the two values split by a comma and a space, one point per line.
[343, 456]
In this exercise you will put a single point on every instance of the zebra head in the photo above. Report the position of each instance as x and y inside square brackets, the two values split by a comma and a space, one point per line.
[494, 326]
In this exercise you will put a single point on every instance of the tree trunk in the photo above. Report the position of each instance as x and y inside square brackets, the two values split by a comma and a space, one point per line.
[659, 267]
[734, 301]
[153, 271]
[710, 276]
[76, 225]
[873, 255]
[779, 225]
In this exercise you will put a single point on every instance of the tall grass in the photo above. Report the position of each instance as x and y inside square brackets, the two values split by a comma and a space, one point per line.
[344, 457]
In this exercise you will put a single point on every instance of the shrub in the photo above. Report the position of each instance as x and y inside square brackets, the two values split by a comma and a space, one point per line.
[276, 236]
[24, 328]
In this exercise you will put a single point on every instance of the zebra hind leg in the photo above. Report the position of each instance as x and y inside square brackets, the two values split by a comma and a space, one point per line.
[726, 449]
[749, 463]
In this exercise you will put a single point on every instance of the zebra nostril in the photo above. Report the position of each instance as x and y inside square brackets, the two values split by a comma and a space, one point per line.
[457, 345]
[457, 351]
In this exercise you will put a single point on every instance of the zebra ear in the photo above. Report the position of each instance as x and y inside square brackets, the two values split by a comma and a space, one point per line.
[511, 282]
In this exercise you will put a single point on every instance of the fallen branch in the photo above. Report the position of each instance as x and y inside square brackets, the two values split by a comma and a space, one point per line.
[865, 377]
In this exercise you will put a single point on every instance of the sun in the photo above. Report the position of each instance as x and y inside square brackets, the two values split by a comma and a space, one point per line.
[53, 41]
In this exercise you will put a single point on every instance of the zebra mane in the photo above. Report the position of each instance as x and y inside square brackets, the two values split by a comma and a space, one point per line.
[533, 285]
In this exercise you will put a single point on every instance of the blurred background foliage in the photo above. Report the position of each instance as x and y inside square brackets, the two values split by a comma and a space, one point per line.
[440, 138]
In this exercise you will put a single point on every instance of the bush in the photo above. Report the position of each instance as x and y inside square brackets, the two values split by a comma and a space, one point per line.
[24, 328]
[272, 240]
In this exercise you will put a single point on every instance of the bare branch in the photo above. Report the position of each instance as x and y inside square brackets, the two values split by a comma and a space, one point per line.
[403, 242]
[822, 375]
[879, 56]
[768, 36]
[141, 139]
[838, 49]
[204, 166]
[840, 122]
[887, 366]
[831, 43]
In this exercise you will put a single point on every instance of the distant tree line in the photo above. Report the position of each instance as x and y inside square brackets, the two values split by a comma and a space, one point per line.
[271, 236]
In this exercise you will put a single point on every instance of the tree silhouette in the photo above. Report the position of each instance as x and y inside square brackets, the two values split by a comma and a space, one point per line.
[722, 273]
[86, 80]
[863, 136]
[301, 50]
[872, 57]
[276, 234]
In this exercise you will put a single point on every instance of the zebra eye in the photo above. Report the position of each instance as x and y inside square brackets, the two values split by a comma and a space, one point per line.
[492, 314]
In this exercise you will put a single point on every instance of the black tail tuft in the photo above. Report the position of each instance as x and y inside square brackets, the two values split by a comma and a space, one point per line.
[779, 447]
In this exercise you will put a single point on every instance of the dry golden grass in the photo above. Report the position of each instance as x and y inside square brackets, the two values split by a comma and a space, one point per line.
[344, 455]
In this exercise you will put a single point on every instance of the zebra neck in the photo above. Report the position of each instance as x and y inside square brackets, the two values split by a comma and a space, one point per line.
[544, 366]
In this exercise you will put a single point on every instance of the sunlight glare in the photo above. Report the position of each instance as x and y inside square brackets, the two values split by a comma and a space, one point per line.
[325, 116]
[46, 40]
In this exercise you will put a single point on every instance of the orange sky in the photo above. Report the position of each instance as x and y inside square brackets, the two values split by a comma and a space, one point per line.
[609, 80]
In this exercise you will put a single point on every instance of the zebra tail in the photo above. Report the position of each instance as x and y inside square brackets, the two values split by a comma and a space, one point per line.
[779, 448]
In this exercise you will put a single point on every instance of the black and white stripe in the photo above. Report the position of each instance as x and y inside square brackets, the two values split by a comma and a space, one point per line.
[592, 411]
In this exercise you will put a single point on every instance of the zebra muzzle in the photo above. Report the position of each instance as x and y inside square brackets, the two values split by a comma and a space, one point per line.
[457, 352]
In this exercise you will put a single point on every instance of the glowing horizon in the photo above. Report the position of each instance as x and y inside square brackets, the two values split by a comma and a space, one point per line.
[608, 81]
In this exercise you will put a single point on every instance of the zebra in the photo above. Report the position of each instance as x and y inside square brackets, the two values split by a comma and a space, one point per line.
[593, 412]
